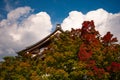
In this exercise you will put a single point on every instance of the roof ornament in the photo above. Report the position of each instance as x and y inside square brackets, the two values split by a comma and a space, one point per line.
[58, 26]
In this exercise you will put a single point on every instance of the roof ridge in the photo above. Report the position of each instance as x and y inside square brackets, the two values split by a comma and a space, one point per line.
[42, 41]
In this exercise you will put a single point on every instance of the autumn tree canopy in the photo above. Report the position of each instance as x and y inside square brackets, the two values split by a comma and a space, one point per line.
[79, 54]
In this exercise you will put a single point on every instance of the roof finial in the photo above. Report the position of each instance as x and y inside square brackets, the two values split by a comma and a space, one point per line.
[58, 25]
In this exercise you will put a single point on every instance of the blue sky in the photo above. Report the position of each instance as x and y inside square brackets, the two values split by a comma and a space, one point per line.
[25, 22]
[59, 9]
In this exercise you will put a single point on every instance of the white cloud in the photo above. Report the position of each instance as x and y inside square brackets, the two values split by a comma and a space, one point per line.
[74, 20]
[104, 21]
[21, 28]
[19, 12]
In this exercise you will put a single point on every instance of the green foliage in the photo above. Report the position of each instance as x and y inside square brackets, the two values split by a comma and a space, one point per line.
[80, 54]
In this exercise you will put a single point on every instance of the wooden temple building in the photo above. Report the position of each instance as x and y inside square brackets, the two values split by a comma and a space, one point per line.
[37, 48]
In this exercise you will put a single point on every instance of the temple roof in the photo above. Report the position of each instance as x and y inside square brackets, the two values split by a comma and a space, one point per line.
[41, 42]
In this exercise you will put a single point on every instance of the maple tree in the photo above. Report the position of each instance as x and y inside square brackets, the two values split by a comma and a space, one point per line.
[79, 54]
[107, 39]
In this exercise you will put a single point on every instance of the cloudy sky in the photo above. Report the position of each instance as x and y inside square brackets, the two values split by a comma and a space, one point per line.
[24, 22]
